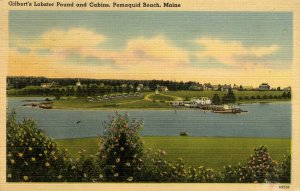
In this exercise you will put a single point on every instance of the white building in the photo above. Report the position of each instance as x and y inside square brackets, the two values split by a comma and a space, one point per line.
[201, 101]
[78, 84]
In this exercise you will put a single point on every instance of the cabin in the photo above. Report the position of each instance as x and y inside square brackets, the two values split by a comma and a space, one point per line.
[287, 89]
[139, 87]
[264, 87]
[207, 87]
[163, 88]
[49, 85]
[216, 87]
[225, 87]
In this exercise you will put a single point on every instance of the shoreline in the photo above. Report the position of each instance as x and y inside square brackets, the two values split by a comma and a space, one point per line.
[195, 137]
[94, 108]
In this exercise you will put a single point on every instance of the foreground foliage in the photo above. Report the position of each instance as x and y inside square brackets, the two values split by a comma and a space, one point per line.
[33, 157]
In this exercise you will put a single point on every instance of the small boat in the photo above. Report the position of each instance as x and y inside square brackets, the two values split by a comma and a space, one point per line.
[45, 106]
[228, 109]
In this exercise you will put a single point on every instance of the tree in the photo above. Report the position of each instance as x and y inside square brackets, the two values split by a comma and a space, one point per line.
[284, 95]
[216, 99]
[229, 97]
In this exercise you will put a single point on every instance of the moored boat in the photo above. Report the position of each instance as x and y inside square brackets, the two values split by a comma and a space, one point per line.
[45, 106]
[228, 109]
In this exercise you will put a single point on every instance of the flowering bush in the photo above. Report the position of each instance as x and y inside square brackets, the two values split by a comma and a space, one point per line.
[31, 155]
[121, 152]
[285, 170]
[260, 169]
[84, 169]
[157, 169]
[201, 174]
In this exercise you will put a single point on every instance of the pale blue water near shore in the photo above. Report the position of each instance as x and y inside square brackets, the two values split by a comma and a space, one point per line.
[261, 120]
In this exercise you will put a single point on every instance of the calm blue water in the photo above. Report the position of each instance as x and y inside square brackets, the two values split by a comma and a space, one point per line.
[261, 120]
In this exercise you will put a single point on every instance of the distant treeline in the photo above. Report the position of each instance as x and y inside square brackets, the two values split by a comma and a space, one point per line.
[17, 82]
[23, 86]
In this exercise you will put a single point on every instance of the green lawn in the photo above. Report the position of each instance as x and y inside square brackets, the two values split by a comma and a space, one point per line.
[153, 101]
[121, 103]
[162, 97]
[210, 94]
[196, 151]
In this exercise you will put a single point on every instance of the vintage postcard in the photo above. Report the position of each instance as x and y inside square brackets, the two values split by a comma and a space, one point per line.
[149, 95]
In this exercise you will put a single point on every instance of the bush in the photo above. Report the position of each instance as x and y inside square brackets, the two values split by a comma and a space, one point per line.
[201, 174]
[157, 169]
[121, 152]
[260, 169]
[85, 169]
[31, 155]
[285, 170]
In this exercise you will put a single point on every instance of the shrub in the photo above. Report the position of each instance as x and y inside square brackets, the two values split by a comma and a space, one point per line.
[85, 169]
[183, 133]
[285, 170]
[261, 167]
[157, 169]
[121, 152]
[201, 174]
[230, 174]
[31, 155]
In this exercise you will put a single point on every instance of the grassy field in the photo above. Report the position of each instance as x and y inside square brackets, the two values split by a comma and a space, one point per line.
[195, 151]
[122, 103]
[210, 94]
[162, 97]
[153, 101]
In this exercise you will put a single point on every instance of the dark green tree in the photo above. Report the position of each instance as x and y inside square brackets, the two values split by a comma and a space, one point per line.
[284, 95]
[216, 99]
[229, 97]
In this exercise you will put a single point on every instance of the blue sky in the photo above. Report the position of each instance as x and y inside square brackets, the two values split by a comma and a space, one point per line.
[198, 41]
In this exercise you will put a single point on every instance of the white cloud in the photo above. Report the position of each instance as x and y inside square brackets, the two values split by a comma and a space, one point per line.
[156, 51]
[231, 52]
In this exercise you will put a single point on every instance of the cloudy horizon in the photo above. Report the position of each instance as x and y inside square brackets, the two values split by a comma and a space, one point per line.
[239, 47]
